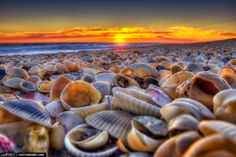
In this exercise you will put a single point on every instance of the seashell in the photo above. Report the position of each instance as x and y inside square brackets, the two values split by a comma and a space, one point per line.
[27, 86]
[115, 69]
[95, 139]
[37, 97]
[78, 94]
[122, 144]
[202, 87]
[29, 110]
[17, 72]
[58, 86]
[123, 81]
[127, 71]
[164, 74]
[139, 138]
[176, 68]
[36, 139]
[61, 68]
[69, 120]
[13, 82]
[150, 80]
[211, 146]
[177, 145]
[35, 79]
[116, 123]
[88, 78]
[2, 73]
[34, 70]
[217, 126]
[108, 77]
[15, 130]
[57, 135]
[7, 145]
[232, 62]
[2, 98]
[88, 110]
[229, 74]
[54, 108]
[193, 67]
[136, 154]
[224, 105]
[170, 85]
[6, 117]
[158, 96]
[103, 87]
[45, 86]
[182, 123]
[71, 66]
[133, 105]
[78, 152]
[143, 70]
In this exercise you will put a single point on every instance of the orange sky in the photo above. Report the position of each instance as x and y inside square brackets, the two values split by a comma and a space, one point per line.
[174, 34]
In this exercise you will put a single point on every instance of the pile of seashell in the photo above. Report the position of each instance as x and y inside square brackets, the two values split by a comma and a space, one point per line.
[142, 107]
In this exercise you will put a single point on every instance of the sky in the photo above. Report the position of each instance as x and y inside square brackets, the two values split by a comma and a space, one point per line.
[118, 21]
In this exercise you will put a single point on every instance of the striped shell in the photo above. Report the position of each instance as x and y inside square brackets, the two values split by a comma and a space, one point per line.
[28, 110]
[108, 77]
[81, 153]
[54, 108]
[134, 105]
[103, 87]
[116, 123]
[88, 110]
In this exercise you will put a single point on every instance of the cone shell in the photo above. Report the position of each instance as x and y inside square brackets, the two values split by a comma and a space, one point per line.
[133, 105]
[78, 94]
[18, 72]
[58, 86]
[27, 86]
[103, 87]
[177, 145]
[88, 110]
[78, 152]
[203, 87]
[45, 86]
[36, 139]
[28, 110]
[116, 123]
[211, 146]
[169, 86]
[229, 74]
[13, 83]
[54, 108]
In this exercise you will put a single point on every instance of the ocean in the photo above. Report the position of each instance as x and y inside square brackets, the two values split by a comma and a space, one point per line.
[45, 48]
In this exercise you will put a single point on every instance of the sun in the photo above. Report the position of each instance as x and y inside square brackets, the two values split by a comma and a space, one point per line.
[120, 38]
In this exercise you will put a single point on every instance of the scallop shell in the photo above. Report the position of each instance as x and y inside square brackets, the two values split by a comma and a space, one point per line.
[138, 138]
[229, 74]
[116, 123]
[211, 146]
[103, 87]
[202, 87]
[133, 105]
[224, 105]
[108, 77]
[77, 152]
[28, 110]
[54, 108]
[36, 139]
[58, 86]
[169, 86]
[13, 82]
[78, 94]
[176, 146]
[18, 72]
[45, 86]
[27, 86]
[88, 110]
[143, 70]
[124, 81]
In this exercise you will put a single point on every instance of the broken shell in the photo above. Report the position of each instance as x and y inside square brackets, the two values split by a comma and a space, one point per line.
[28, 109]
[17, 72]
[116, 123]
[202, 87]
[27, 86]
[79, 93]
[103, 87]
[229, 74]
[13, 82]
[45, 86]
[177, 145]
[57, 135]
[169, 86]
[58, 86]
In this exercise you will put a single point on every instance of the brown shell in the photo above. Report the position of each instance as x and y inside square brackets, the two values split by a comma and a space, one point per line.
[229, 74]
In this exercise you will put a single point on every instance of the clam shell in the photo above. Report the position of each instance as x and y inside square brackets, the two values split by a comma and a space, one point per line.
[103, 87]
[193, 67]
[18, 72]
[35, 79]
[28, 110]
[45, 86]
[108, 77]
[124, 81]
[116, 123]
[88, 110]
[88, 78]
[13, 82]
[58, 86]
[229, 74]
[77, 152]
[27, 86]
[34, 70]
[176, 68]
[78, 94]
[143, 70]
[54, 108]
[133, 105]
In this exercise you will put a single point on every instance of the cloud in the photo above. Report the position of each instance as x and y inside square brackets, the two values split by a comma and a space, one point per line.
[175, 34]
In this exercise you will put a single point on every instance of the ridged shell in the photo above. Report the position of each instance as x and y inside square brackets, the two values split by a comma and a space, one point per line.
[77, 152]
[13, 82]
[116, 123]
[88, 110]
[29, 110]
[78, 94]
[108, 77]
[54, 108]
[133, 105]
[103, 87]
[229, 74]
[58, 86]
[18, 72]
[27, 86]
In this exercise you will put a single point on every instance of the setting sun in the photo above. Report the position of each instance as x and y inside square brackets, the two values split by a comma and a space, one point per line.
[120, 38]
